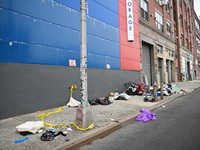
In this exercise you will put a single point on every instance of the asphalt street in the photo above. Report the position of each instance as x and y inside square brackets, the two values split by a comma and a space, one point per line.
[177, 127]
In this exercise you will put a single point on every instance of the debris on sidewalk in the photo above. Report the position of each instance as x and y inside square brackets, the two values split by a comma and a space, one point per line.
[104, 101]
[40, 131]
[135, 89]
[69, 128]
[145, 116]
[110, 120]
[148, 95]
[72, 102]
[183, 91]
[176, 89]
[43, 115]
[149, 98]
[47, 136]
[131, 90]
[25, 133]
[94, 101]
[165, 91]
[103, 116]
[168, 90]
[112, 94]
[122, 96]
[116, 92]
[21, 140]
[51, 135]
[101, 101]
[60, 133]
[141, 88]
[30, 126]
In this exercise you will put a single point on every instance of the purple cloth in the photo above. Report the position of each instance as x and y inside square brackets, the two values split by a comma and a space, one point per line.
[145, 116]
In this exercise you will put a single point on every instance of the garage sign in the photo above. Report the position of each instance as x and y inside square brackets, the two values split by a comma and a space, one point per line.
[130, 23]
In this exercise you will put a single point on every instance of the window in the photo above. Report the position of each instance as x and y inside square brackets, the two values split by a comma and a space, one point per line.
[186, 43]
[198, 53]
[190, 46]
[170, 52]
[182, 39]
[144, 9]
[192, 26]
[168, 6]
[186, 26]
[198, 41]
[189, 29]
[189, 12]
[197, 26]
[159, 21]
[168, 28]
[181, 20]
[160, 2]
[160, 49]
[184, 6]
[175, 35]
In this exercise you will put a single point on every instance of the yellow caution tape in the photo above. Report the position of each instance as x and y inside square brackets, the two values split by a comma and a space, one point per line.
[43, 115]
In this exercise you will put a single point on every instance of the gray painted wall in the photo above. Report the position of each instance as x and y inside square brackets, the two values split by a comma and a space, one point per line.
[26, 88]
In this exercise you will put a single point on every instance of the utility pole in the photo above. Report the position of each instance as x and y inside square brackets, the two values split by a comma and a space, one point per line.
[83, 55]
[155, 92]
[83, 113]
[161, 90]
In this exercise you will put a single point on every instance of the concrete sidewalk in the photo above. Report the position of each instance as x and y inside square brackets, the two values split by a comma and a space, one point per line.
[107, 118]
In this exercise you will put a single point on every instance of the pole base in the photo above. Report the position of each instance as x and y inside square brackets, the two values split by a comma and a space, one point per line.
[84, 117]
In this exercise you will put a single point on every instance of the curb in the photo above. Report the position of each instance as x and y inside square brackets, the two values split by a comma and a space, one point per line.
[97, 135]
[111, 128]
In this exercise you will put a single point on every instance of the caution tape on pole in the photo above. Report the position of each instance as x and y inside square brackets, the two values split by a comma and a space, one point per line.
[43, 115]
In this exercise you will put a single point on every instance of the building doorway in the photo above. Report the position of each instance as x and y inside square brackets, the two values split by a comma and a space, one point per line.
[160, 69]
[188, 71]
[147, 63]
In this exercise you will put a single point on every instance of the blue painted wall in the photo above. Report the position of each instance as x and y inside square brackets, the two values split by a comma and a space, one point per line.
[103, 10]
[47, 32]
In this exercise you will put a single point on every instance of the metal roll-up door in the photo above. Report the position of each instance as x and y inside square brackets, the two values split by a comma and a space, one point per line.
[146, 62]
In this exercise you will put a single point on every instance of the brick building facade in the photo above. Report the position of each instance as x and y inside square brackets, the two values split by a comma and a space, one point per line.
[157, 41]
[197, 46]
[167, 44]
